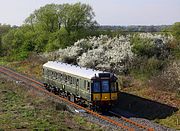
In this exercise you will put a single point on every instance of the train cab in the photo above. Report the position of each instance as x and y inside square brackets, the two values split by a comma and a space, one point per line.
[104, 90]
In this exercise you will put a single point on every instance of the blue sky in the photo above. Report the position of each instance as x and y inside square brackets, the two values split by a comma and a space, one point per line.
[108, 12]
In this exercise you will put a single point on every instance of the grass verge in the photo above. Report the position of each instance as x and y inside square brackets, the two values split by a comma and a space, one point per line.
[23, 108]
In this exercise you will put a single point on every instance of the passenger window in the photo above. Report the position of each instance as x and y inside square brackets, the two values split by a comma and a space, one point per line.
[88, 85]
[55, 75]
[77, 82]
[59, 76]
[66, 78]
[52, 75]
[49, 73]
[74, 81]
[84, 83]
[70, 79]
[63, 77]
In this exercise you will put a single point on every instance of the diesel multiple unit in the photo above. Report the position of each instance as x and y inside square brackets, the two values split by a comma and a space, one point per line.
[87, 86]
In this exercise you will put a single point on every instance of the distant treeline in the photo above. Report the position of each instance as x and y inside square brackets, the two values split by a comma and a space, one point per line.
[137, 28]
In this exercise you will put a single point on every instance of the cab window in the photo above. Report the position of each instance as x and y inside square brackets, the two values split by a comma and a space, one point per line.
[96, 86]
[105, 86]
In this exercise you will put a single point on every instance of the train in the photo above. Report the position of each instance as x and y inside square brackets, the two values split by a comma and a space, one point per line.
[88, 87]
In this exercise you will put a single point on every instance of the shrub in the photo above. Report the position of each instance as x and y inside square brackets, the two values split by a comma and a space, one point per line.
[169, 79]
[143, 68]
[176, 30]
[174, 48]
[150, 46]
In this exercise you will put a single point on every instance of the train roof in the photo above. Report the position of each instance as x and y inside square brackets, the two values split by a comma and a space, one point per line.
[72, 69]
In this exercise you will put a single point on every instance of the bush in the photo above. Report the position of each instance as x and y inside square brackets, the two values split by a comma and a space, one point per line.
[150, 47]
[142, 47]
[143, 67]
[169, 79]
[174, 47]
[176, 30]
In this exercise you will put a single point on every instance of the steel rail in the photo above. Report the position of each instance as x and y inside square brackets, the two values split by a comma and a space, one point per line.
[35, 81]
[132, 122]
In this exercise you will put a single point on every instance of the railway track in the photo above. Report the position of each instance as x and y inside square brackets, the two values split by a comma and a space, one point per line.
[133, 124]
[118, 121]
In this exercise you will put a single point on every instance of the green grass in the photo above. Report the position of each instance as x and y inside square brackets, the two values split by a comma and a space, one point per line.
[3, 62]
[172, 121]
[22, 108]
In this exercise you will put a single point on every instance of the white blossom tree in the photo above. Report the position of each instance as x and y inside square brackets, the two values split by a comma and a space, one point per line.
[104, 53]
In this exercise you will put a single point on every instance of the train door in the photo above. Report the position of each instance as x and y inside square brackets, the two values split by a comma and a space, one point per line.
[105, 90]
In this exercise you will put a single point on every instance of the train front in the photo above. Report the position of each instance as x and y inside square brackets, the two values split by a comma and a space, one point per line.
[104, 90]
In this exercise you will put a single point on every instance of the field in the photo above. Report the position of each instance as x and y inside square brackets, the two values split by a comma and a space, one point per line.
[23, 108]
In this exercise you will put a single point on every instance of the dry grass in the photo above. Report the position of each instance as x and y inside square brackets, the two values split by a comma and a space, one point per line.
[165, 97]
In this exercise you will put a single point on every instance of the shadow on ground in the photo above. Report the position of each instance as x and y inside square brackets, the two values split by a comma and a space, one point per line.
[135, 106]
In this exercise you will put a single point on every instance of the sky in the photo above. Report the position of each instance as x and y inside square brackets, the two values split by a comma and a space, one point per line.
[108, 12]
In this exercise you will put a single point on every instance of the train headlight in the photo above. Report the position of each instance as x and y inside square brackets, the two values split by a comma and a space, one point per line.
[96, 97]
